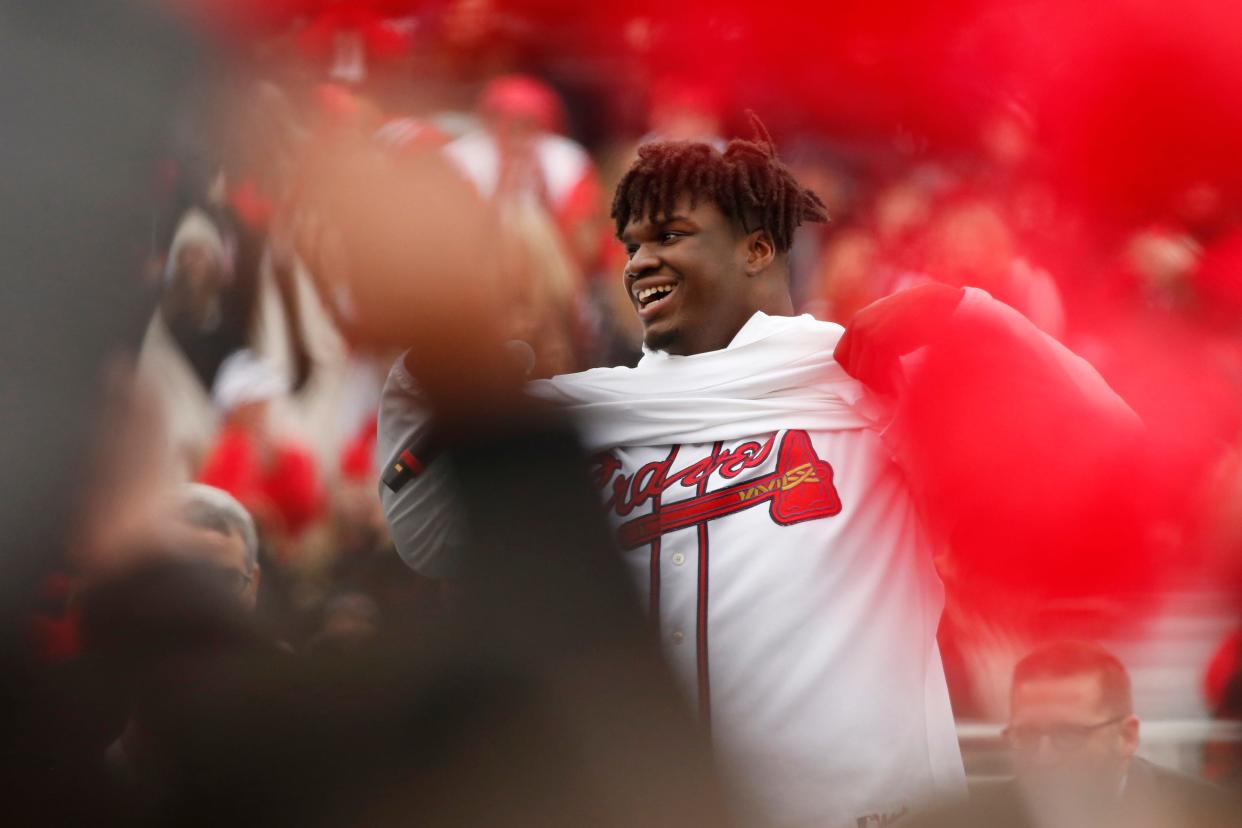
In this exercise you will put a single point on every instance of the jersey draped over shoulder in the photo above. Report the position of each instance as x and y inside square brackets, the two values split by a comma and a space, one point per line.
[778, 372]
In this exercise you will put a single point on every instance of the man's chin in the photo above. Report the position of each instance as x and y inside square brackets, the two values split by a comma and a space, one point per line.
[661, 338]
[1068, 786]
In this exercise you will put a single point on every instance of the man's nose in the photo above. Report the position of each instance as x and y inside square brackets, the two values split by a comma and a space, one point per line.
[1044, 753]
[641, 263]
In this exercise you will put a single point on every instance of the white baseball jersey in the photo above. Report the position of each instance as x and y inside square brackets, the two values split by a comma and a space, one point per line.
[777, 548]
[798, 604]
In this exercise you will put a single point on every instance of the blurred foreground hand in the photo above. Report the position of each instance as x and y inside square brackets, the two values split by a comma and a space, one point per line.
[420, 266]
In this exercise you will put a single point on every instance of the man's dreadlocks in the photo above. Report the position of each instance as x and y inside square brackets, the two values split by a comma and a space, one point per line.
[747, 182]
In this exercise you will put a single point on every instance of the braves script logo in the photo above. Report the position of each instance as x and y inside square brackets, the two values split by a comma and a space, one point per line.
[800, 488]
[879, 819]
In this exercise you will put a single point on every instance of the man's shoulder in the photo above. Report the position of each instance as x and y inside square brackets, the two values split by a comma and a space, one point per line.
[1173, 785]
[401, 411]
[399, 375]
[1191, 801]
[561, 385]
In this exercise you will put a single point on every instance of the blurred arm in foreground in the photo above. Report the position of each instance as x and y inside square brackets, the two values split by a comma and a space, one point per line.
[1020, 453]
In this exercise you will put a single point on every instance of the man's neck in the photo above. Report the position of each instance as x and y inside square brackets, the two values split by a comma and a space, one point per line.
[772, 298]
[775, 301]
[777, 310]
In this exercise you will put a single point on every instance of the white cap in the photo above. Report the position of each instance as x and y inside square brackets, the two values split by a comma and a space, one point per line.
[196, 228]
[246, 378]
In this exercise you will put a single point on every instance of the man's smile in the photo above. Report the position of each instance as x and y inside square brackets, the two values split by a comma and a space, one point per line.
[652, 295]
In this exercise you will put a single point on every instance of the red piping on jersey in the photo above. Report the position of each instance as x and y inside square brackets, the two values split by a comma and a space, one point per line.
[705, 687]
[653, 593]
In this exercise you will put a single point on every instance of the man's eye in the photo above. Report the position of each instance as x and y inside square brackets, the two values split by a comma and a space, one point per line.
[630, 250]
[669, 238]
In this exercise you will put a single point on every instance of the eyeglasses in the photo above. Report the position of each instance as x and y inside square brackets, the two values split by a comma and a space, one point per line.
[1064, 737]
[233, 580]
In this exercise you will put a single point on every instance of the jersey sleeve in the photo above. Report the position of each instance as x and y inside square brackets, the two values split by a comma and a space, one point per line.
[422, 516]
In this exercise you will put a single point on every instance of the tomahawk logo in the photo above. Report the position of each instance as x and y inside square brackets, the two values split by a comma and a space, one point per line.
[800, 488]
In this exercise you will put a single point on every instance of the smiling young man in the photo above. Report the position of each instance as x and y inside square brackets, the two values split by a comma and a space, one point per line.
[768, 524]
[706, 256]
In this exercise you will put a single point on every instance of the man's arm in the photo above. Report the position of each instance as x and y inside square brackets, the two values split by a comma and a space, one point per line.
[422, 515]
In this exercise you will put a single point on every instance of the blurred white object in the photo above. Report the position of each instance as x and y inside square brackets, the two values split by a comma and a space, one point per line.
[197, 229]
[245, 378]
[558, 165]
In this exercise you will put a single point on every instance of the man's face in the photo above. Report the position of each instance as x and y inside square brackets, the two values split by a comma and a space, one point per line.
[197, 280]
[687, 278]
[226, 555]
[198, 268]
[1063, 733]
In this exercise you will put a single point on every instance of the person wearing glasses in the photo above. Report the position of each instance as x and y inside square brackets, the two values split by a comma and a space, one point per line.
[1072, 732]
[218, 532]
[1073, 739]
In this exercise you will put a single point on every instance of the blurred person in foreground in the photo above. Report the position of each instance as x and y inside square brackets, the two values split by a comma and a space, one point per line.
[545, 190]
[466, 721]
[516, 718]
[761, 472]
[1073, 738]
[521, 154]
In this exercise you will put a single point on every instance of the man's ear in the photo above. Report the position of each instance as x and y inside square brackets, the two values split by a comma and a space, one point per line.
[760, 252]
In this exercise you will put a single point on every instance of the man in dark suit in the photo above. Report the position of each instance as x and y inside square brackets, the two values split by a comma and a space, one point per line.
[1072, 738]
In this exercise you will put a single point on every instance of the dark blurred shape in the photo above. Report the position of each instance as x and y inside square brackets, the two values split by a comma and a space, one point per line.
[540, 702]
[162, 611]
[1222, 760]
[1161, 798]
[87, 90]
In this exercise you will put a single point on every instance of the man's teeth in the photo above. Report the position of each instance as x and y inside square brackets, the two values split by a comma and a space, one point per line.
[651, 293]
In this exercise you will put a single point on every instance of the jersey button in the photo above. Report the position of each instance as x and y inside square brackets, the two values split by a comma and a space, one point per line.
[678, 637]
[679, 559]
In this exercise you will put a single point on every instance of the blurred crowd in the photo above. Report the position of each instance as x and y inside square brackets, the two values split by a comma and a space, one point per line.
[271, 393]
[263, 381]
